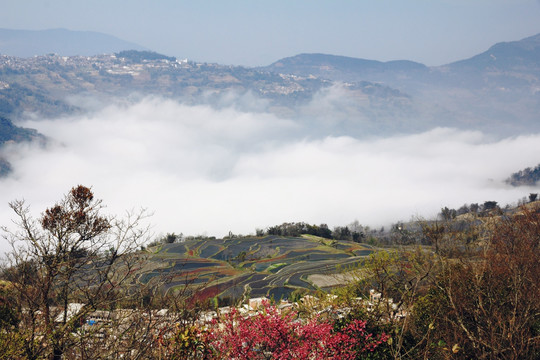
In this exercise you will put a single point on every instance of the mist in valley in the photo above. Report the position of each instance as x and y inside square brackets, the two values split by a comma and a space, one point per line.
[233, 165]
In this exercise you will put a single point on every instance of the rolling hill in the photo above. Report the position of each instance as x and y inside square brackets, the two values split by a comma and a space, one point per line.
[347, 69]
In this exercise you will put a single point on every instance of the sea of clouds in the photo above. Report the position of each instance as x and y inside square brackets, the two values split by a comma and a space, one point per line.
[209, 170]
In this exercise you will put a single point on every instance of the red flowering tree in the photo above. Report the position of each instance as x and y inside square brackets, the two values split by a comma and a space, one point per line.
[270, 334]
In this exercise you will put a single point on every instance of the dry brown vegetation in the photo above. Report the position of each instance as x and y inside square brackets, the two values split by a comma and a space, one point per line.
[69, 290]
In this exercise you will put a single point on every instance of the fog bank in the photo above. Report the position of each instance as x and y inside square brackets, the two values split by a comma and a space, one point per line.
[203, 170]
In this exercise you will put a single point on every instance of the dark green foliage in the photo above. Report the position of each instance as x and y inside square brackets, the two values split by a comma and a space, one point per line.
[526, 177]
[5, 167]
[342, 233]
[139, 56]
[448, 214]
[297, 229]
[171, 238]
[18, 98]
[490, 205]
[8, 132]
[9, 316]
[464, 209]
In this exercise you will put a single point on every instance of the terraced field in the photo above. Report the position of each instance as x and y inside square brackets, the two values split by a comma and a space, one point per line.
[269, 266]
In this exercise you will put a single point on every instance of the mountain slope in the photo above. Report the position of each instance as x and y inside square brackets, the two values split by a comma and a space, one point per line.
[505, 64]
[9, 132]
[495, 91]
[27, 43]
[49, 80]
[521, 55]
[344, 68]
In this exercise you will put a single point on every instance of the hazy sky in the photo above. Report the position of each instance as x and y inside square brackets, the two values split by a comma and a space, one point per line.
[249, 32]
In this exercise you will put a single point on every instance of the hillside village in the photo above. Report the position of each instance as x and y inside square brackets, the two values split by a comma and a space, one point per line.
[107, 62]
[111, 74]
[159, 328]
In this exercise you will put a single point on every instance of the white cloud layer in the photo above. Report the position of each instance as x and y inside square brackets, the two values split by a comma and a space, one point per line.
[207, 171]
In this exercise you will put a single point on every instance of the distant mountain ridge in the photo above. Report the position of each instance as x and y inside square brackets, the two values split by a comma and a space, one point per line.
[506, 55]
[346, 69]
[28, 43]
[503, 64]
[496, 91]
[324, 62]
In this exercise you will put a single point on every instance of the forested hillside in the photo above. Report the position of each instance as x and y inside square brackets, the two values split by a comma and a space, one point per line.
[528, 176]
[12, 133]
